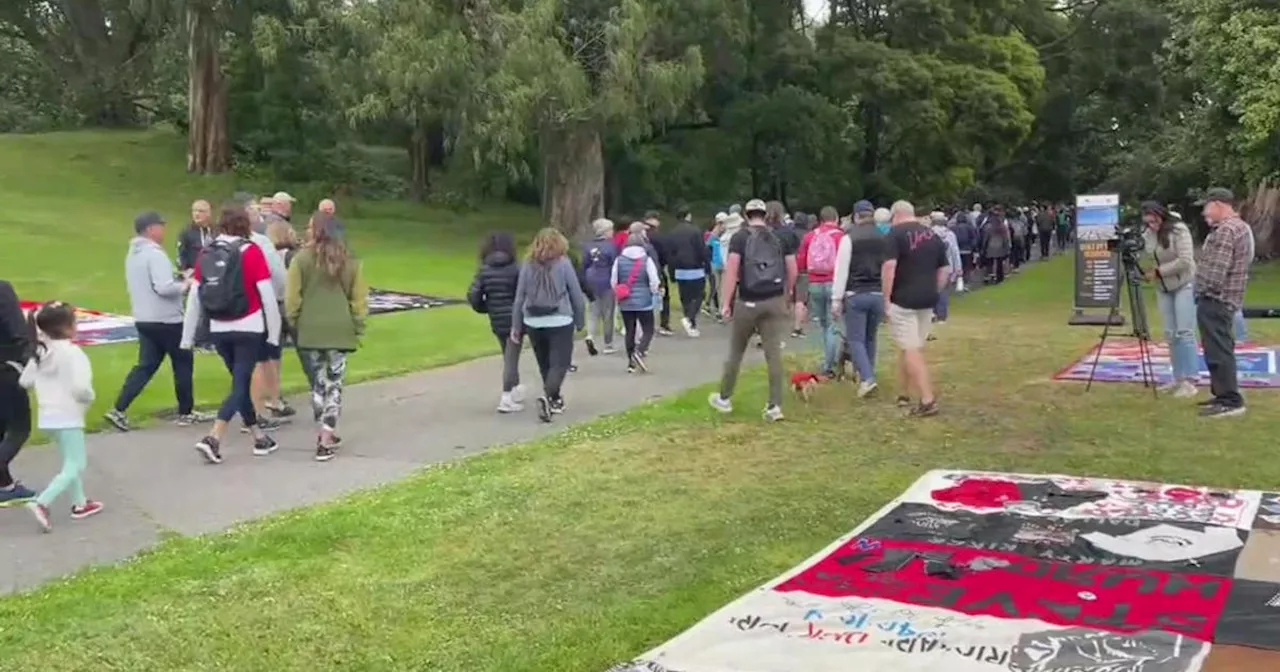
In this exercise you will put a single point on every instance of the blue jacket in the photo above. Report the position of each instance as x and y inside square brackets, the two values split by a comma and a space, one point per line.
[644, 291]
[597, 265]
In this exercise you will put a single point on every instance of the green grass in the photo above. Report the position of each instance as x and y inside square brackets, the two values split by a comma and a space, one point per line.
[70, 200]
[591, 546]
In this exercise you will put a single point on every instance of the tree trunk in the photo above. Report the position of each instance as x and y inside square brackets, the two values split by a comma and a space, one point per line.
[420, 163]
[574, 180]
[208, 146]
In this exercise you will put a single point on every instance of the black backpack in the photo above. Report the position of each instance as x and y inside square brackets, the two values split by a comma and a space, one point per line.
[222, 294]
[764, 269]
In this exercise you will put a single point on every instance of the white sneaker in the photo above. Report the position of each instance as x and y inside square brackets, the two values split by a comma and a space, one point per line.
[1185, 390]
[773, 414]
[720, 403]
[509, 405]
[517, 394]
[866, 387]
[688, 326]
[694, 333]
[608, 350]
[1169, 387]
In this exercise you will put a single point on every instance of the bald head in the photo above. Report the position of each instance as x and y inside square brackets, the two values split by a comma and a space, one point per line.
[328, 206]
[902, 212]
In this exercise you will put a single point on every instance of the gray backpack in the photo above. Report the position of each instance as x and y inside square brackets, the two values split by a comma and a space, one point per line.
[543, 298]
[764, 269]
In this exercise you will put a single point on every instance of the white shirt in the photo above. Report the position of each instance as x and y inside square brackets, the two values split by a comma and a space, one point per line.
[63, 380]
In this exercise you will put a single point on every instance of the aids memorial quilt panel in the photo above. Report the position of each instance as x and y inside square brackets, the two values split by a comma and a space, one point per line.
[981, 572]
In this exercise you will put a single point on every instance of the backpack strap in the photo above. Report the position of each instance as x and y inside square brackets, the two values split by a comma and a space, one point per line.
[635, 269]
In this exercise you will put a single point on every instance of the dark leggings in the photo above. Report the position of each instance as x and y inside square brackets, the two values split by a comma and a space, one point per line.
[638, 320]
[15, 421]
[239, 351]
[553, 348]
[691, 298]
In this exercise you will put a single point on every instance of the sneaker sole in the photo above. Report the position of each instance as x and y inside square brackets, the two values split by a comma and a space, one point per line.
[42, 519]
[82, 516]
[258, 452]
[591, 348]
[325, 458]
[1229, 413]
[508, 410]
[544, 411]
[722, 409]
[207, 453]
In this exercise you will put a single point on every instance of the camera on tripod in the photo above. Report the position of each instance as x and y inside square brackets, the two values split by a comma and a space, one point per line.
[1130, 240]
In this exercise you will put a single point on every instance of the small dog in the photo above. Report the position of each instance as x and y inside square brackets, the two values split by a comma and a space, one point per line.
[804, 383]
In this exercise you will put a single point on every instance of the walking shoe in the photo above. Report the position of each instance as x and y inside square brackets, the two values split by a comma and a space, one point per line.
[18, 494]
[41, 513]
[687, 325]
[281, 410]
[557, 405]
[773, 414]
[866, 388]
[325, 453]
[209, 448]
[591, 347]
[608, 349]
[1169, 387]
[517, 394]
[695, 333]
[117, 419]
[573, 368]
[903, 401]
[1221, 411]
[89, 508]
[720, 403]
[631, 365]
[923, 410]
[637, 360]
[1211, 401]
[544, 409]
[1185, 390]
[193, 418]
[266, 425]
[509, 405]
[264, 446]
[665, 331]
[797, 333]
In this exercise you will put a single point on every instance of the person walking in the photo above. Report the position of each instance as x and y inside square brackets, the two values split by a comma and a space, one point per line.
[1221, 277]
[995, 245]
[598, 257]
[817, 259]
[967, 241]
[327, 302]
[635, 281]
[267, 374]
[760, 273]
[660, 246]
[155, 296]
[914, 272]
[1172, 272]
[232, 285]
[63, 380]
[856, 283]
[689, 261]
[549, 307]
[16, 347]
[1044, 230]
[942, 310]
[493, 292]
[715, 252]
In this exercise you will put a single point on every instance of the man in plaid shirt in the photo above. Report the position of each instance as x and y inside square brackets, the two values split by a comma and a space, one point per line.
[1221, 276]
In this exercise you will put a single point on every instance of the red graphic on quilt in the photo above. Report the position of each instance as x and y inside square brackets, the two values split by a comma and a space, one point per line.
[1008, 585]
[979, 493]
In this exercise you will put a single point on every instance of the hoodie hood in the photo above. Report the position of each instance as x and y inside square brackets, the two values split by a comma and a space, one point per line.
[141, 245]
[634, 251]
[498, 259]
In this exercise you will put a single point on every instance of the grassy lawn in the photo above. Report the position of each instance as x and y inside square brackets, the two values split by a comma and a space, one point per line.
[588, 548]
[70, 200]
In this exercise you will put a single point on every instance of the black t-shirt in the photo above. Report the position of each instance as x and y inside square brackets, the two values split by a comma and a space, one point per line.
[919, 253]
[738, 245]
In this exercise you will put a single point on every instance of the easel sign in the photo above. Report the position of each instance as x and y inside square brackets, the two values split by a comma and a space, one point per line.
[1097, 281]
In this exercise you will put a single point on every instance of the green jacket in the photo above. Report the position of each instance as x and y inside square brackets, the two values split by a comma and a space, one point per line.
[327, 314]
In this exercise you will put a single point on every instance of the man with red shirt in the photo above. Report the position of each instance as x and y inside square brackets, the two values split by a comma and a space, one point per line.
[817, 260]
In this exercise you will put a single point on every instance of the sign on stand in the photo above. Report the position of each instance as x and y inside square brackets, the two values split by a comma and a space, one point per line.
[1097, 282]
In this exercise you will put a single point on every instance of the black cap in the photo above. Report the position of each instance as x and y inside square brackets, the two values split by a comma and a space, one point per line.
[1153, 207]
[146, 220]
[1219, 194]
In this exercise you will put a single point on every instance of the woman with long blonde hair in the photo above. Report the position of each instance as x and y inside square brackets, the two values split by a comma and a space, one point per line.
[549, 307]
[327, 301]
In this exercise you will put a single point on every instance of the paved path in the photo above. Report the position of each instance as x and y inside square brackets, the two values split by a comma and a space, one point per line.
[154, 483]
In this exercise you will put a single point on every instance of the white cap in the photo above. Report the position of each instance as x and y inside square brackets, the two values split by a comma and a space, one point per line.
[754, 205]
[283, 196]
[720, 217]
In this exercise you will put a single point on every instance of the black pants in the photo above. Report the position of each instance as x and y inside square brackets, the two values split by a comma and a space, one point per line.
[1061, 235]
[638, 319]
[15, 421]
[1015, 253]
[995, 268]
[966, 265]
[691, 298]
[1045, 239]
[553, 348]
[1217, 335]
[664, 318]
[713, 292]
[240, 352]
[155, 342]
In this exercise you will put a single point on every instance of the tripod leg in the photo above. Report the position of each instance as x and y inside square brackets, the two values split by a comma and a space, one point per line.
[1102, 343]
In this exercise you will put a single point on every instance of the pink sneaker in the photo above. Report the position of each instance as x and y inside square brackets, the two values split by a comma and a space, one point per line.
[41, 513]
[81, 512]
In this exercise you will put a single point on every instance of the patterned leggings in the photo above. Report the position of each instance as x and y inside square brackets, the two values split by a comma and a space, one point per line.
[330, 367]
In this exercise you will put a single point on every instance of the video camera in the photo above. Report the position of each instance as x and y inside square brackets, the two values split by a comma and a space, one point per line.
[1130, 238]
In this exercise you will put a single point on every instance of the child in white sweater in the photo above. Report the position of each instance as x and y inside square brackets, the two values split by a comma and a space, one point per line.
[63, 380]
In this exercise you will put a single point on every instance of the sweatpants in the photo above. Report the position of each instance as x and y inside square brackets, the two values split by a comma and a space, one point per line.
[553, 348]
[641, 320]
[691, 298]
[769, 319]
[600, 316]
[74, 460]
[15, 420]
[330, 367]
[155, 342]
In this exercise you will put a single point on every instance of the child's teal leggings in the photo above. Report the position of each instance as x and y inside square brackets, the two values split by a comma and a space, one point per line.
[71, 447]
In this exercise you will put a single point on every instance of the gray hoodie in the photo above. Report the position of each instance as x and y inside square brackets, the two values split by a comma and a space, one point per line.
[155, 292]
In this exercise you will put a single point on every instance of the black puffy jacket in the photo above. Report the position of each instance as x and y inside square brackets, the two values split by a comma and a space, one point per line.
[494, 290]
[686, 249]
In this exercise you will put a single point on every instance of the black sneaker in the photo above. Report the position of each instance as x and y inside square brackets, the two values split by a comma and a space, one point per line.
[665, 331]
[282, 411]
[266, 425]
[209, 449]
[924, 410]
[903, 401]
[557, 405]
[638, 361]
[591, 347]
[118, 420]
[1220, 411]
[631, 364]
[544, 409]
[325, 453]
[264, 446]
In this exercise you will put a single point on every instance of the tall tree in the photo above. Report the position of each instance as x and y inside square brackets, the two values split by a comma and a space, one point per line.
[208, 145]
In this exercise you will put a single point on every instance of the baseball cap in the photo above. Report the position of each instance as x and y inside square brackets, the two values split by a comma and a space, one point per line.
[754, 205]
[146, 220]
[1220, 194]
[863, 206]
[283, 196]
[720, 217]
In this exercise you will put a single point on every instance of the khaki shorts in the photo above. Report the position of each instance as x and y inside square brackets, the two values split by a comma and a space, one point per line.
[909, 328]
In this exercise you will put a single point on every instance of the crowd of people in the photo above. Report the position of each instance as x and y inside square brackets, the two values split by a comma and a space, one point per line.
[245, 283]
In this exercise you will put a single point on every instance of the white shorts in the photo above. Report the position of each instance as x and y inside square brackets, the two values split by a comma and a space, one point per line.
[909, 328]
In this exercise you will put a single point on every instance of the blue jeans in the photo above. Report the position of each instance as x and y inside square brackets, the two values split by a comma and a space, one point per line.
[1178, 314]
[863, 314]
[820, 307]
[1237, 325]
[944, 304]
[240, 352]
